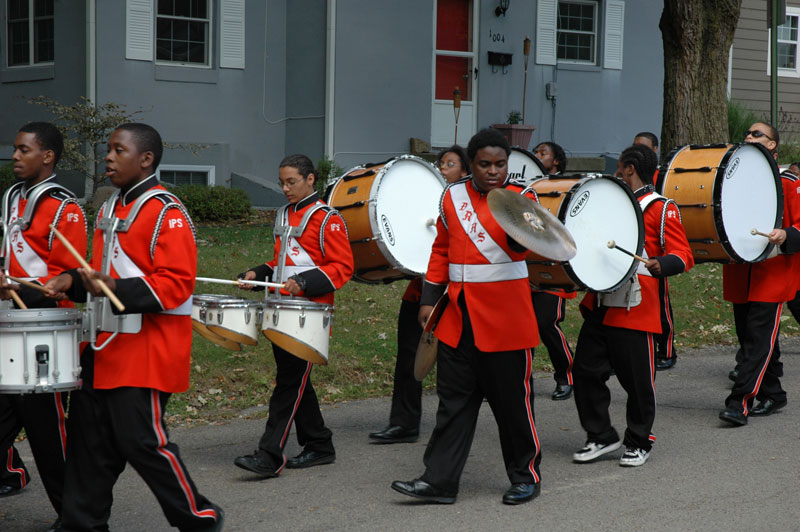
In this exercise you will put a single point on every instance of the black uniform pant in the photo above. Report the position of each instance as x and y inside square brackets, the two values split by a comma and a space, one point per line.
[466, 375]
[550, 310]
[630, 354]
[760, 368]
[293, 400]
[665, 342]
[111, 428]
[42, 415]
[407, 395]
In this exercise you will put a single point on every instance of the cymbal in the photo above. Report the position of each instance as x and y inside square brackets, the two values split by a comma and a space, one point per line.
[428, 343]
[530, 224]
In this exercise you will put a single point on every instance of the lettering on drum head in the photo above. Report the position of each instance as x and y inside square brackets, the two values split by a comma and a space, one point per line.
[387, 229]
[580, 203]
[732, 168]
[518, 175]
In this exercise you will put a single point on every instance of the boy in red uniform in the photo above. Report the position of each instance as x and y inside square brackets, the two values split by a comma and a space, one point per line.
[35, 255]
[318, 262]
[758, 291]
[619, 336]
[144, 250]
[483, 351]
[406, 409]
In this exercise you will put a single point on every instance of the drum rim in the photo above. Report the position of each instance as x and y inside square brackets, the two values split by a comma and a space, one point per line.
[296, 304]
[532, 156]
[66, 318]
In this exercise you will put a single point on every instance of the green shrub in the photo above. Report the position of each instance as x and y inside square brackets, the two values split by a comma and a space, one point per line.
[740, 118]
[7, 177]
[213, 204]
[328, 171]
[788, 153]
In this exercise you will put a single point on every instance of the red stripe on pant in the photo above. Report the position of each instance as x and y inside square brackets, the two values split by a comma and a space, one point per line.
[62, 423]
[11, 469]
[564, 344]
[527, 384]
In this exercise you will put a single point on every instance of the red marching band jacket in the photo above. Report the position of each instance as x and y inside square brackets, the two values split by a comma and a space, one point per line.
[471, 254]
[155, 265]
[675, 257]
[36, 254]
[774, 280]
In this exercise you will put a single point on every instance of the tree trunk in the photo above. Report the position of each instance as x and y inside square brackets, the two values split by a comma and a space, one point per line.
[697, 36]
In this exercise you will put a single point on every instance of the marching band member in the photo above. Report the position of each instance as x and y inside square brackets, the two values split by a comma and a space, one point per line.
[482, 352]
[618, 328]
[550, 306]
[406, 411]
[35, 255]
[318, 262]
[118, 415]
[757, 303]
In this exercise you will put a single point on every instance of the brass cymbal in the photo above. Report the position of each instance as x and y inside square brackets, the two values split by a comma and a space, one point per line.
[428, 343]
[530, 224]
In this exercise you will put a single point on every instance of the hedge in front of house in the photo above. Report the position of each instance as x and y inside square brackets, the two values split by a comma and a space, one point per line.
[213, 204]
[7, 177]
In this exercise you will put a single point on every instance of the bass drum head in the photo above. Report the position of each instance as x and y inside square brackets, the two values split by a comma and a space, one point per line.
[523, 166]
[602, 209]
[750, 197]
[403, 211]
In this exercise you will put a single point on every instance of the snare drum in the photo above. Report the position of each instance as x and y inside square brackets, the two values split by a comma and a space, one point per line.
[389, 210]
[523, 166]
[595, 209]
[299, 326]
[724, 191]
[39, 350]
[232, 319]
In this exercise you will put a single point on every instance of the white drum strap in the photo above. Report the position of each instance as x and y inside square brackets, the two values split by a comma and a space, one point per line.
[487, 273]
[27, 258]
[472, 226]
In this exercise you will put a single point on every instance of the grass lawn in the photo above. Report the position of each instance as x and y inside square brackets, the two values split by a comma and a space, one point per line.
[362, 349]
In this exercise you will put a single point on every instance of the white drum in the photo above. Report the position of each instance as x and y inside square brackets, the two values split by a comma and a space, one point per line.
[233, 319]
[523, 166]
[594, 209]
[299, 326]
[39, 350]
[389, 209]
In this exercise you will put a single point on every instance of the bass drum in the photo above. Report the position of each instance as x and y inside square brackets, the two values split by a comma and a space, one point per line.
[523, 166]
[390, 210]
[594, 209]
[723, 192]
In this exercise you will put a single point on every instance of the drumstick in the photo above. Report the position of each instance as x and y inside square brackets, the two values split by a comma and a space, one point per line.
[237, 281]
[29, 284]
[613, 245]
[754, 232]
[18, 300]
[85, 265]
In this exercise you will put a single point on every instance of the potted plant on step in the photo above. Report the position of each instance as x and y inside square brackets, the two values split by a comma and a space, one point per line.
[517, 133]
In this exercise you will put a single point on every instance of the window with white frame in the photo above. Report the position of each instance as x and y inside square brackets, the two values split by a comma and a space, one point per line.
[183, 32]
[30, 31]
[788, 44]
[577, 31]
[186, 174]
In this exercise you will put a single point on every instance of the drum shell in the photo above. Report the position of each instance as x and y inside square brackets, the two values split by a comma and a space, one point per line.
[21, 331]
[300, 327]
[232, 319]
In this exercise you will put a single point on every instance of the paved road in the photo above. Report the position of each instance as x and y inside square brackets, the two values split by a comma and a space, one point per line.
[702, 475]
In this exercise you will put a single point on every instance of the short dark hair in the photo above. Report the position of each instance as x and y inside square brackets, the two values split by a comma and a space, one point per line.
[146, 139]
[459, 151]
[487, 137]
[558, 154]
[47, 135]
[643, 159]
[773, 134]
[302, 163]
[649, 136]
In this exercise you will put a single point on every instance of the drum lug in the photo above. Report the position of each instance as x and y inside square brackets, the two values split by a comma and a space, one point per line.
[302, 318]
[219, 316]
[203, 313]
[247, 316]
[275, 318]
[43, 363]
[259, 315]
[326, 319]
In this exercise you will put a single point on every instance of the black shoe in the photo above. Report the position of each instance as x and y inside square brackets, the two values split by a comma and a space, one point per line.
[734, 374]
[666, 363]
[256, 463]
[562, 391]
[56, 526]
[734, 417]
[8, 491]
[395, 434]
[521, 492]
[422, 490]
[767, 407]
[310, 459]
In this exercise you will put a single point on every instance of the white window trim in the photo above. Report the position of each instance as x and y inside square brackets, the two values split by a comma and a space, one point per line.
[210, 169]
[210, 47]
[786, 72]
[31, 39]
[593, 61]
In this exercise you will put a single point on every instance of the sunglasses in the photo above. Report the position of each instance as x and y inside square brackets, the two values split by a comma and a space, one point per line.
[756, 134]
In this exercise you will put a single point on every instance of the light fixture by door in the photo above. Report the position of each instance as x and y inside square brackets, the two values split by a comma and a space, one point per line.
[501, 8]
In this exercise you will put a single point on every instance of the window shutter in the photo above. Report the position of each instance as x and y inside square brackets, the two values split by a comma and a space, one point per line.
[139, 30]
[231, 48]
[612, 41]
[546, 26]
